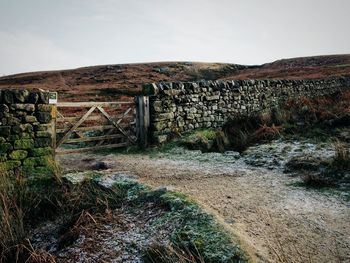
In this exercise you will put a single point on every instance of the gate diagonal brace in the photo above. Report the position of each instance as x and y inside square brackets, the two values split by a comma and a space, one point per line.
[110, 119]
[76, 125]
[79, 134]
[119, 121]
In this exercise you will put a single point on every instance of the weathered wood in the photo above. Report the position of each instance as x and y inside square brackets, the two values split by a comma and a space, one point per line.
[92, 104]
[118, 126]
[95, 138]
[119, 121]
[94, 148]
[115, 124]
[92, 118]
[61, 117]
[71, 130]
[143, 121]
[54, 114]
[97, 128]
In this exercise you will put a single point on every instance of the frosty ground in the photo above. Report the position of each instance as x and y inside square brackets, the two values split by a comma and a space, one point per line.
[275, 218]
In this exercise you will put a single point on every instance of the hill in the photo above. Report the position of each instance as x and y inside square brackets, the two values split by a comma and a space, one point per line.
[106, 81]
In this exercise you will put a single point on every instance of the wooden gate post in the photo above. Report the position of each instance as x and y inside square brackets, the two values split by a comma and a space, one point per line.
[53, 126]
[143, 120]
[53, 101]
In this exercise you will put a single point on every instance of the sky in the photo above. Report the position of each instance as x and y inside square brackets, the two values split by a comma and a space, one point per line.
[59, 34]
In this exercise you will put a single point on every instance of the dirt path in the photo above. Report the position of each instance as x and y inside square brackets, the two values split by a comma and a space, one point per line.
[275, 221]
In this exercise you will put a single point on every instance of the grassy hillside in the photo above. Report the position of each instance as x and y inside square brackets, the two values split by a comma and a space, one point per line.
[106, 81]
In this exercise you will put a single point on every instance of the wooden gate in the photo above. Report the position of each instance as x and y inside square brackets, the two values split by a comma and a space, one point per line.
[86, 126]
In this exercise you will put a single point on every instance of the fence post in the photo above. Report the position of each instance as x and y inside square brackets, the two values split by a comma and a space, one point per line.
[143, 120]
[53, 101]
[53, 126]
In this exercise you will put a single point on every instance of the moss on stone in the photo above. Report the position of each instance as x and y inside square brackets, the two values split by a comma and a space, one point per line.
[38, 161]
[23, 106]
[22, 135]
[22, 128]
[30, 119]
[26, 135]
[13, 137]
[43, 171]
[39, 166]
[9, 165]
[43, 134]
[42, 127]
[30, 162]
[23, 144]
[2, 140]
[42, 142]
[44, 117]
[18, 155]
[3, 157]
[41, 151]
[11, 120]
[28, 170]
[44, 107]
[5, 131]
[5, 147]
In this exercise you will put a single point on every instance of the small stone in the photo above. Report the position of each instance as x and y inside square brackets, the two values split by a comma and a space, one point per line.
[43, 134]
[20, 114]
[3, 158]
[22, 128]
[26, 107]
[18, 155]
[5, 147]
[13, 121]
[23, 144]
[21, 95]
[216, 97]
[44, 107]
[162, 139]
[9, 165]
[30, 119]
[37, 161]
[164, 116]
[3, 110]
[42, 142]
[41, 127]
[33, 98]
[8, 97]
[232, 154]
[5, 131]
[44, 97]
[41, 151]
[30, 162]
[158, 126]
[44, 117]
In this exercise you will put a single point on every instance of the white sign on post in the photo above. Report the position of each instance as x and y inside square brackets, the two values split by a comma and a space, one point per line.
[53, 98]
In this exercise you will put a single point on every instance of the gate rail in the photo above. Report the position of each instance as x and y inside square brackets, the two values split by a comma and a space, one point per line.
[117, 127]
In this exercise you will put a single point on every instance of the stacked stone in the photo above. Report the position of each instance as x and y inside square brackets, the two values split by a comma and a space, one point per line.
[25, 131]
[184, 106]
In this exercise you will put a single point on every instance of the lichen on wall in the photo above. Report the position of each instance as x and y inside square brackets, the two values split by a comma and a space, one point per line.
[26, 132]
[183, 106]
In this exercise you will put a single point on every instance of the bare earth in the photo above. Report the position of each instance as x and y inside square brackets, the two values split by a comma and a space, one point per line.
[275, 222]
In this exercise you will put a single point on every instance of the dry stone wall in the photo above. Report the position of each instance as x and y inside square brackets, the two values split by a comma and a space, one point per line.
[184, 106]
[26, 132]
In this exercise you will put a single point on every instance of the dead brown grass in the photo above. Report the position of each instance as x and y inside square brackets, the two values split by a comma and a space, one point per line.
[320, 109]
[266, 132]
[170, 254]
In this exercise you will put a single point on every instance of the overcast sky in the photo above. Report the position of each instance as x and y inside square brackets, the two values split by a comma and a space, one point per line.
[58, 34]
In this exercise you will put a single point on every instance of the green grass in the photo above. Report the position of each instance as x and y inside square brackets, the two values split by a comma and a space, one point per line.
[46, 199]
[197, 231]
